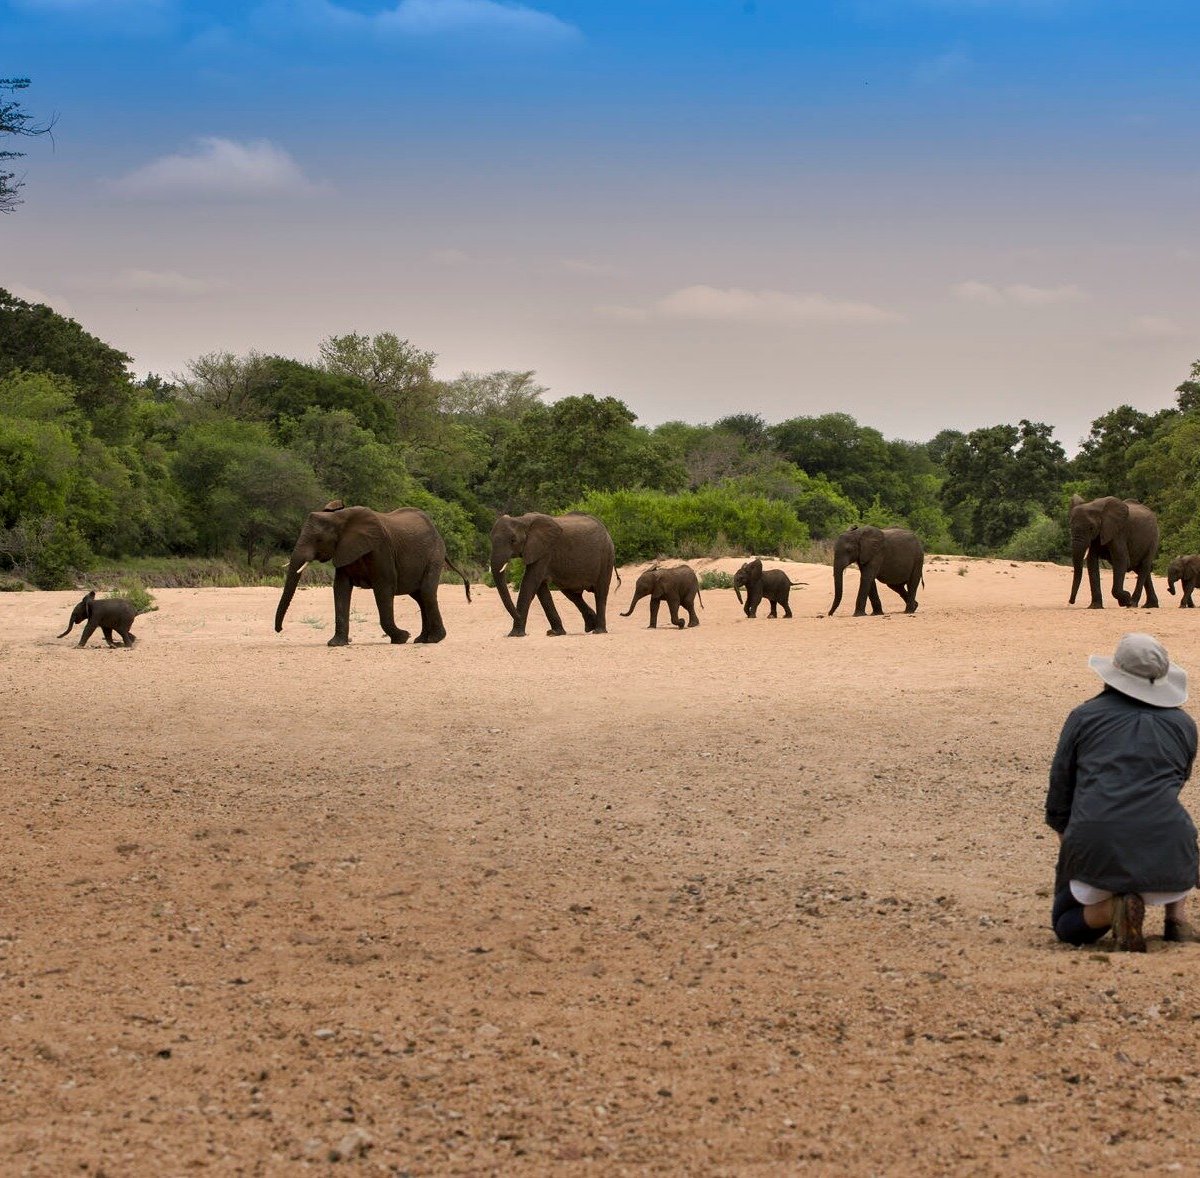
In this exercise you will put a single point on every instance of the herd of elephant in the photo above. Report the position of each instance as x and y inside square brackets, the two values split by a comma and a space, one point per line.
[401, 553]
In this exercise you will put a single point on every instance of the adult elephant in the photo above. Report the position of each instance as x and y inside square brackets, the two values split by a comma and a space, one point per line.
[1121, 531]
[574, 552]
[677, 586]
[891, 555]
[391, 553]
[1185, 570]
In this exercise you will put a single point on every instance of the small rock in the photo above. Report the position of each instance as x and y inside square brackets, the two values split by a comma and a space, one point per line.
[487, 1031]
[324, 1033]
[354, 1145]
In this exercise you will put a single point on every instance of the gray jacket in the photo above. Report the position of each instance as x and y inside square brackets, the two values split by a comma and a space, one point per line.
[1114, 796]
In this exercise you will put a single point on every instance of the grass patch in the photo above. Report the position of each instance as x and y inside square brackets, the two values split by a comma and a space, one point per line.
[195, 572]
[132, 589]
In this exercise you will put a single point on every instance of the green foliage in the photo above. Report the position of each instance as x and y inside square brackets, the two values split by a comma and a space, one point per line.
[998, 478]
[647, 524]
[715, 579]
[47, 552]
[1042, 538]
[134, 591]
[558, 452]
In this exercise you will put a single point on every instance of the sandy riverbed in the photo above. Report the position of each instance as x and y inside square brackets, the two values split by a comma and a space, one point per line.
[760, 894]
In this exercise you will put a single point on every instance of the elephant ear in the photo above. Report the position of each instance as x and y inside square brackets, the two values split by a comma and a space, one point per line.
[333, 505]
[1076, 500]
[870, 544]
[1114, 519]
[360, 533]
[543, 534]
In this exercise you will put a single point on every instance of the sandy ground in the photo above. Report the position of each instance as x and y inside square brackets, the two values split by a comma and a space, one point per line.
[762, 896]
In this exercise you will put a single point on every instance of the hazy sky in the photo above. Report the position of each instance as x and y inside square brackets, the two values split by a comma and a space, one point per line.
[926, 213]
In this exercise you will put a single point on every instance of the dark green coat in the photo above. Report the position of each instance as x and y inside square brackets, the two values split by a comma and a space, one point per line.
[1114, 796]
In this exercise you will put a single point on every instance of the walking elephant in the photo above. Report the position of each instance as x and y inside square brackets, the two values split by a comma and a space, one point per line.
[392, 553]
[1186, 570]
[891, 555]
[676, 586]
[1121, 531]
[110, 613]
[574, 552]
[773, 584]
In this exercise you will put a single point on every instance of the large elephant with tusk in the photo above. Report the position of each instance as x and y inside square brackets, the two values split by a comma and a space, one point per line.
[573, 552]
[392, 553]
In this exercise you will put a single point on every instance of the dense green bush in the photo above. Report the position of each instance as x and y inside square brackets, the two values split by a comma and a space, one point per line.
[715, 579]
[646, 524]
[1042, 538]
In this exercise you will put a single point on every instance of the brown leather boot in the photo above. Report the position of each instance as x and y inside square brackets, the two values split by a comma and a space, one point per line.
[1129, 910]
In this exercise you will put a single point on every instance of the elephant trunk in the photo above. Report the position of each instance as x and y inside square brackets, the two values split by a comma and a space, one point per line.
[1078, 553]
[295, 568]
[839, 568]
[638, 595]
[501, 580]
[1171, 578]
[738, 590]
[71, 625]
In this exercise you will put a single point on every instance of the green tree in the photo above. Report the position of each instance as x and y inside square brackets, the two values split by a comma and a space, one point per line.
[557, 452]
[397, 372]
[998, 477]
[1111, 449]
[35, 338]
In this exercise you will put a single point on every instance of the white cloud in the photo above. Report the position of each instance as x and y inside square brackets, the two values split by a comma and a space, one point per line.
[31, 294]
[592, 269]
[218, 169]
[162, 283]
[428, 18]
[735, 305]
[1019, 294]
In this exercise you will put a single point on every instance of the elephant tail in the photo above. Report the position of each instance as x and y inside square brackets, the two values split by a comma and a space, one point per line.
[617, 574]
[466, 583]
[699, 598]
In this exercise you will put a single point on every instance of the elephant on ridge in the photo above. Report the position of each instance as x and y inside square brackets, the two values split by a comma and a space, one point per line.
[392, 553]
[773, 584]
[1186, 570]
[892, 555]
[574, 552]
[1121, 531]
[110, 613]
[676, 586]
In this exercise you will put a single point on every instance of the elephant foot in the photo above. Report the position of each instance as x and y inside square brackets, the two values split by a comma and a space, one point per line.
[600, 630]
[680, 624]
[399, 638]
[692, 624]
[1150, 605]
[515, 633]
[652, 626]
[429, 639]
[556, 633]
[860, 613]
[911, 609]
[339, 640]
[1096, 605]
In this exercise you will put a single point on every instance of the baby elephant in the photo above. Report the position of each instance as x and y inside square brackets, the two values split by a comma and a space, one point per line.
[676, 586]
[773, 584]
[1187, 570]
[113, 613]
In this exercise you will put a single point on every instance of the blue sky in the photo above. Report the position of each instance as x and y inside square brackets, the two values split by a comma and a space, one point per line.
[923, 212]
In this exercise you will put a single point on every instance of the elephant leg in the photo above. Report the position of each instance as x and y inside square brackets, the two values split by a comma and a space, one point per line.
[107, 631]
[673, 606]
[385, 602]
[88, 631]
[787, 609]
[910, 606]
[531, 582]
[600, 593]
[127, 638]
[575, 596]
[1122, 595]
[432, 627]
[690, 606]
[1093, 567]
[342, 588]
[551, 611]
[866, 592]
[655, 602]
[1151, 596]
[1186, 600]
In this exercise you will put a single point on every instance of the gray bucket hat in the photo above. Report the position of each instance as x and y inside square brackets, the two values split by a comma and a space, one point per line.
[1140, 667]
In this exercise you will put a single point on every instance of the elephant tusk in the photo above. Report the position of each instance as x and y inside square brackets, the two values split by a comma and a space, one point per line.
[302, 568]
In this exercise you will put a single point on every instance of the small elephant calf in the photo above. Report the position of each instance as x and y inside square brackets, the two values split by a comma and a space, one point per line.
[676, 586]
[773, 584]
[113, 613]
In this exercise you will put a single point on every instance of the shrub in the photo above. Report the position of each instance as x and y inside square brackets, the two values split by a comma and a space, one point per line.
[647, 524]
[1042, 538]
[133, 590]
[715, 579]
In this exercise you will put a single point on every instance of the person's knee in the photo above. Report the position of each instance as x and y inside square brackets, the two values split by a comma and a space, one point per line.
[1068, 921]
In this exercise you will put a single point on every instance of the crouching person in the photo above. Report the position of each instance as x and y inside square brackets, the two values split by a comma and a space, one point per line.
[1125, 839]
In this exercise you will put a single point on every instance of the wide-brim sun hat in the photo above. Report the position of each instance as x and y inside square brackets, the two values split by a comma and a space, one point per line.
[1140, 667]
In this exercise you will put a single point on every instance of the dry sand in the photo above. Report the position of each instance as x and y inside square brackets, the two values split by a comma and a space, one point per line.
[760, 896]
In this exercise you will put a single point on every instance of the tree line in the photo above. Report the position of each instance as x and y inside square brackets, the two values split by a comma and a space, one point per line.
[229, 455]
